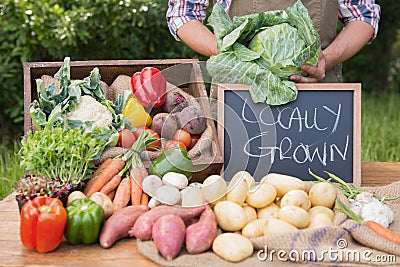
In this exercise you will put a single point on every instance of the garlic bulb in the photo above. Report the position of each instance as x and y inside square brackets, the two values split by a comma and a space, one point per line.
[371, 209]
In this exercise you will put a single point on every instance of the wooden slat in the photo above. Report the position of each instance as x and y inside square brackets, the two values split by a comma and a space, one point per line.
[379, 173]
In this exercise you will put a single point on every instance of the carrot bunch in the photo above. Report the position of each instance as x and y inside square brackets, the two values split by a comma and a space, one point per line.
[121, 177]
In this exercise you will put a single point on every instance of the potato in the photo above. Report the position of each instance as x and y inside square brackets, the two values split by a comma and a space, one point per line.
[250, 213]
[237, 191]
[214, 188]
[105, 202]
[270, 211]
[320, 220]
[165, 125]
[283, 183]
[273, 226]
[75, 195]
[254, 228]
[294, 215]
[192, 196]
[230, 216]
[322, 194]
[261, 195]
[321, 209]
[246, 176]
[297, 198]
[232, 247]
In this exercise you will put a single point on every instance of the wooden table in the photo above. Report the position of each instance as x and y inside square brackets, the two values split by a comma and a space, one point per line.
[123, 253]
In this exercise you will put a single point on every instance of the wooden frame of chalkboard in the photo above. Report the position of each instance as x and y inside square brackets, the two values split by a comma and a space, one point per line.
[341, 103]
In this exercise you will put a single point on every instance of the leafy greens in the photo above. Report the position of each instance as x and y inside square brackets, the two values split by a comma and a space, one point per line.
[263, 50]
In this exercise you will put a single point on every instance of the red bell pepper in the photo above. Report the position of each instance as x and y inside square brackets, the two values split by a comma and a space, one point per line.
[149, 87]
[43, 222]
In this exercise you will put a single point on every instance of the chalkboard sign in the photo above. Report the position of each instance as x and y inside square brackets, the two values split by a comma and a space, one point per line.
[320, 131]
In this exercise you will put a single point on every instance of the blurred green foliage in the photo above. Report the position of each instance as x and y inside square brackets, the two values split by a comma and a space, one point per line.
[49, 30]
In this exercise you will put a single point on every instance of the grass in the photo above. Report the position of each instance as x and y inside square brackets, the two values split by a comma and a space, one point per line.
[10, 172]
[380, 138]
[380, 125]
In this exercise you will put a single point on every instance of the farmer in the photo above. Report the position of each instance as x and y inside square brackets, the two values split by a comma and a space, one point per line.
[360, 17]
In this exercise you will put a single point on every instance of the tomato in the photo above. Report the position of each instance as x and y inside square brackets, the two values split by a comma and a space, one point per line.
[182, 136]
[194, 139]
[173, 143]
[126, 138]
[155, 144]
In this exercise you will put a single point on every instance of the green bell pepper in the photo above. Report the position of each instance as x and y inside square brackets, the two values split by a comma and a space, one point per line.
[174, 159]
[84, 220]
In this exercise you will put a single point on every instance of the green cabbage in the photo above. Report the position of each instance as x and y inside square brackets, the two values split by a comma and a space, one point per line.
[263, 50]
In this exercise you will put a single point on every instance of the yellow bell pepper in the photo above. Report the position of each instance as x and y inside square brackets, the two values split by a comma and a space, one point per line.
[136, 113]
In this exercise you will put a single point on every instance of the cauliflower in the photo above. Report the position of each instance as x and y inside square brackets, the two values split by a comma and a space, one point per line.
[89, 109]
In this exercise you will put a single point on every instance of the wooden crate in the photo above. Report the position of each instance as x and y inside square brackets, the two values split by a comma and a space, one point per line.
[185, 73]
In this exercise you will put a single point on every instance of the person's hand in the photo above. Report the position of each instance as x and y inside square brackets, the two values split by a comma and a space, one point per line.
[315, 74]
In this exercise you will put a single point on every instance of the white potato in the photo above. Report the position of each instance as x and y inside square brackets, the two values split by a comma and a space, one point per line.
[214, 188]
[250, 213]
[320, 220]
[297, 198]
[283, 183]
[294, 215]
[230, 216]
[273, 226]
[192, 196]
[270, 211]
[321, 209]
[175, 179]
[261, 195]
[245, 175]
[232, 247]
[254, 228]
[322, 194]
[237, 191]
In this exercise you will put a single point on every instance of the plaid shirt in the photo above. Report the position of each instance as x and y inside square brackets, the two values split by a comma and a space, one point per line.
[182, 11]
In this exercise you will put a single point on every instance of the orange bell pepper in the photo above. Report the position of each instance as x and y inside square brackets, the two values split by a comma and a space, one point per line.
[43, 222]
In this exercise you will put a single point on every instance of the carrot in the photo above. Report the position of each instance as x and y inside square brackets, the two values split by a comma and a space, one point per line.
[116, 165]
[136, 188]
[95, 174]
[102, 167]
[382, 231]
[122, 195]
[111, 195]
[111, 185]
[145, 197]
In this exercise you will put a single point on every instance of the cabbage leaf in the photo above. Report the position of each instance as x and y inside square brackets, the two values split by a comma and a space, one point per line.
[263, 50]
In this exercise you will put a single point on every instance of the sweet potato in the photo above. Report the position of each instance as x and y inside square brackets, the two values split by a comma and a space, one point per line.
[200, 236]
[169, 235]
[144, 224]
[118, 225]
